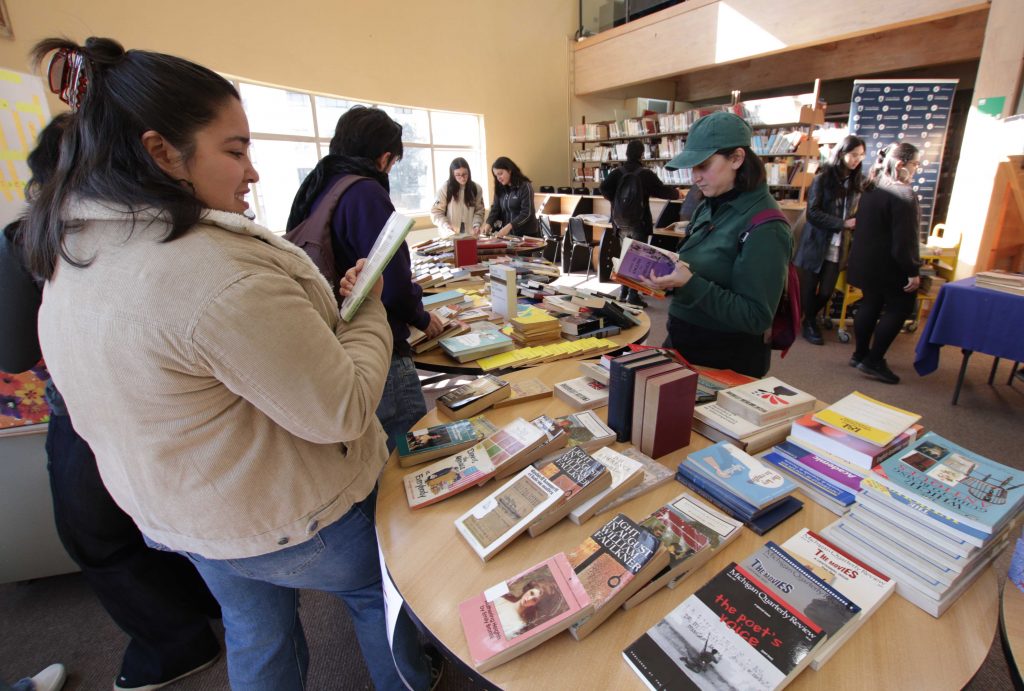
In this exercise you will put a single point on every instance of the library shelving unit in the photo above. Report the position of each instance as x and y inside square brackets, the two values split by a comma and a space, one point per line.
[790, 153]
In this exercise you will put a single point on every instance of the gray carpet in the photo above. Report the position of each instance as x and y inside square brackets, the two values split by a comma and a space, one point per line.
[58, 619]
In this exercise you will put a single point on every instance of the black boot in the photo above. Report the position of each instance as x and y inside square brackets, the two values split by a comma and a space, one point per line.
[812, 335]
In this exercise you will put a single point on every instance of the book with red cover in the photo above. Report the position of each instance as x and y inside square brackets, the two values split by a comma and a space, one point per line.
[639, 393]
[465, 250]
[669, 400]
[520, 613]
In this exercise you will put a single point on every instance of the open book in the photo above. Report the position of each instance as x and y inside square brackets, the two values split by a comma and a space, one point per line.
[391, 237]
[634, 265]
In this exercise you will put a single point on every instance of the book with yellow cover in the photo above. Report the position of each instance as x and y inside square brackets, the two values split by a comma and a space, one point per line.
[865, 418]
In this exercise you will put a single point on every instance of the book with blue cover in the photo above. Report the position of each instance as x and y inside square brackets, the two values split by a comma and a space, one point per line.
[477, 344]
[760, 522]
[832, 496]
[833, 472]
[948, 478]
[883, 496]
[749, 478]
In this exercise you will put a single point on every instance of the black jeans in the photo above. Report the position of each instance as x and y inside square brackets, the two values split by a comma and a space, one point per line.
[880, 316]
[744, 353]
[816, 289]
[157, 598]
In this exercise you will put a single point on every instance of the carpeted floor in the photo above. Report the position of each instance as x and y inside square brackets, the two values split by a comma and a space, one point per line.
[58, 619]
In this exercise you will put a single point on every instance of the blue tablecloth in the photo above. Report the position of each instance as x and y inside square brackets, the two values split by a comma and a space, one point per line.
[972, 318]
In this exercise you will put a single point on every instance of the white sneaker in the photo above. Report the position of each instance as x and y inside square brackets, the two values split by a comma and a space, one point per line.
[50, 679]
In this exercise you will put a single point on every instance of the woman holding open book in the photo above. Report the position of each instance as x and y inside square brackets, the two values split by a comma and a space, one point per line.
[831, 205]
[512, 212]
[885, 258]
[460, 202]
[733, 265]
[203, 359]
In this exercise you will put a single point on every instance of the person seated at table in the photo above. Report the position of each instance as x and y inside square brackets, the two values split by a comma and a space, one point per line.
[885, 258]
[726, 284]
[512, 212]
[460, 202]
[368, 142]
[203, 359]
[636, 222]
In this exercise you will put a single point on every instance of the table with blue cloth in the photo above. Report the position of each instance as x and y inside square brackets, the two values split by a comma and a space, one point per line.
[975, 320]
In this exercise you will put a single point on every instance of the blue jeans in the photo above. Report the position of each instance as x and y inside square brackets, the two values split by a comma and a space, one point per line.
[402, 403]
[259, 599]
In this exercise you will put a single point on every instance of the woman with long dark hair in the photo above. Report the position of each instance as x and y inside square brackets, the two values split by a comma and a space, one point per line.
[885, 258]
[512, 212]
[730, 275]
[459, 206]
[368, 143]
[203, 358]
[831, 205]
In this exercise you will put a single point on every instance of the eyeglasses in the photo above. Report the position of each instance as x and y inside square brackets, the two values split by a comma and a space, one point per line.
[67, 78]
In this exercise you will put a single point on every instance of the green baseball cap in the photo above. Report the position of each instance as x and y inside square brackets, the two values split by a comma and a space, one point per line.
[721, 130]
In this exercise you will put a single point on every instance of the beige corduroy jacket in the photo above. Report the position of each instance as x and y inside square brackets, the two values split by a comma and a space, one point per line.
[231, 411]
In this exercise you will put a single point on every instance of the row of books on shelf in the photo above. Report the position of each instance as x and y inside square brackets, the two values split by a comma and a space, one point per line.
[664, 149]
[777, 141]
[790, 172]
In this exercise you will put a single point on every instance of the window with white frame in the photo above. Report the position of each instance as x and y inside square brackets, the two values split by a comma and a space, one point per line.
[292, 130]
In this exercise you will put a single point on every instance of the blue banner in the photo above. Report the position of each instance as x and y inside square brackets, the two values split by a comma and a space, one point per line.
[884, 111]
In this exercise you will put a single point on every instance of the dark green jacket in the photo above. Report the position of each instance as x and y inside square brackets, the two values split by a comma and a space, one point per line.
[733, 290]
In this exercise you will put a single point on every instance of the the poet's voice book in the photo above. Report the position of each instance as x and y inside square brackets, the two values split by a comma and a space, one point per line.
[469, 399]
[520, 613]
[612, 564]
[635, 263]
[507, 512]
[579, 475]
[449, 476]
[730, 634]
[690, 531]
[622, 379]
[391, 237]
[422, 445]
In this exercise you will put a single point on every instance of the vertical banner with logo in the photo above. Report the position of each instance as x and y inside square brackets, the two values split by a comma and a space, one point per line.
[886, 111]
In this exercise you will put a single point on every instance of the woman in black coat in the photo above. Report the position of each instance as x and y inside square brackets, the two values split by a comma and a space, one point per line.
[512, 212]
[885, 258]
[831, 204]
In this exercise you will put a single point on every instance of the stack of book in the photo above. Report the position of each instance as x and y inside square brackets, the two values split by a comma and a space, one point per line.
[754, 415]
[582, 393]
[583, 324]
[650, 401]
[469, 399]
[734, 633]
[1003, 281]
[448, 297]
[857, 432]
[744, 487]
[932, 518]
[421, 343]
[829, 484]
[477, 344]
[533, 325]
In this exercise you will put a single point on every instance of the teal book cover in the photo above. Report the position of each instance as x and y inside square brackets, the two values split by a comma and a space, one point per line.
[749, 478]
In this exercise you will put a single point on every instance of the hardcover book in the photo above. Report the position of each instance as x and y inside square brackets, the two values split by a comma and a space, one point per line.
[506, 513]
[448, 476]
[668, 404]
[639, 396]
[765, 400]
[621, 386]
[948, 478]
[612, 564]
[582, 393]
[469, 399]
[690, 531]
[741, 474]
[730, 634]
[520, 613]
[626, 473]
[579, 476]
[867, 419]
[422, 445]
[391, 237]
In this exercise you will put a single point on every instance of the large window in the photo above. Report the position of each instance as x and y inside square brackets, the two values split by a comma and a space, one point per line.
[292, 130]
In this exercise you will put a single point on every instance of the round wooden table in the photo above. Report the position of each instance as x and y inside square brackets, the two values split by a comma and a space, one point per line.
[438, 361]
[1011, 623]
[899, 647]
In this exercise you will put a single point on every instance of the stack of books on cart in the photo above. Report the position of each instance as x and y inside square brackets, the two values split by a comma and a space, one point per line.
[760, 622]
[745, 487]
[753, 416]
[932, 517]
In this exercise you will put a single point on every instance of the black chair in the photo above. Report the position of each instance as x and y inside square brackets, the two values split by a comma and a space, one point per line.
[578, 238]
[552, 246]
[547, 189]
[580, 190]
[565, 190]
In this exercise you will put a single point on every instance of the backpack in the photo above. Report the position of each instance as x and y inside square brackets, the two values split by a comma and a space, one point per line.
[786, 322]
[628, 205]
[313, 235]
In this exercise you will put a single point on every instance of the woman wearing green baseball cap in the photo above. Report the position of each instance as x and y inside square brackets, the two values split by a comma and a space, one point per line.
[733, 265]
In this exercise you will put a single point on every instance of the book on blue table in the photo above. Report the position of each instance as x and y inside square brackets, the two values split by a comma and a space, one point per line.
[621, 380]
[964, 485]
[749, 478]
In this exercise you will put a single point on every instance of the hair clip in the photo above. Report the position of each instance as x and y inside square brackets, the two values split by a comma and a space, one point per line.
[67, 76]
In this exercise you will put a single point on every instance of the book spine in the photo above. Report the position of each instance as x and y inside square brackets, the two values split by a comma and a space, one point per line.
[620, 401]
[707, 489]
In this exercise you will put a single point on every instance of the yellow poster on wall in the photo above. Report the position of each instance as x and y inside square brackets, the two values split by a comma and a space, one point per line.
[23, 113]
